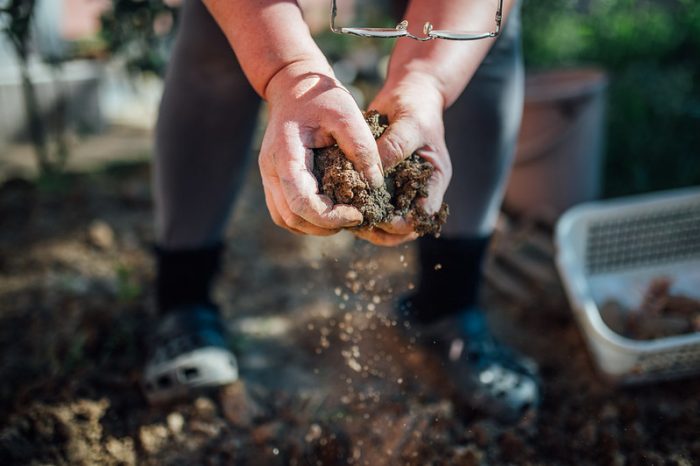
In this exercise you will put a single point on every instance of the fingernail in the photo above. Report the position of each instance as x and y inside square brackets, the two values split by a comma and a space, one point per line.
[381, 169]
[377, 176]
[355, 222]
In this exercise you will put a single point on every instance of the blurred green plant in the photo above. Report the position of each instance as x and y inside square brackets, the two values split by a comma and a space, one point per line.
[141, 31]
[128, 286]
[17, 16]
[651, 49]
[75, 356]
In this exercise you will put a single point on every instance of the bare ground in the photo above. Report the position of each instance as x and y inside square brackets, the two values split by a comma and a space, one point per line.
[327, 377]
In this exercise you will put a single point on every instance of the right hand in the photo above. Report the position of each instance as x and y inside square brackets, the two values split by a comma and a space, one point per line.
[311, 109]
[414, 106]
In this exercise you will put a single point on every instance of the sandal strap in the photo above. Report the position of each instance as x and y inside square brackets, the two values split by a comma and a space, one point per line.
[188, 329]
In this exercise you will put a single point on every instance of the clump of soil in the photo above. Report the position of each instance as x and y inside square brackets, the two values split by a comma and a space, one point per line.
[404, 184]
[661, 314]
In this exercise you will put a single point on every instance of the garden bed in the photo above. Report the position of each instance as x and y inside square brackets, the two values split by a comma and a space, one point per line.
[328, 379]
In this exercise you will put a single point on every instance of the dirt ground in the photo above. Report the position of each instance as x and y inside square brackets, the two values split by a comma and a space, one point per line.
[327, 378]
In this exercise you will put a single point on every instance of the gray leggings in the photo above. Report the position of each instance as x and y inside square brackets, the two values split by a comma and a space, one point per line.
[208, 115]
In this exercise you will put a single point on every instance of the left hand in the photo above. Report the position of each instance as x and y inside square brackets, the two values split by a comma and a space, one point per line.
[414, 107]
[311, 109]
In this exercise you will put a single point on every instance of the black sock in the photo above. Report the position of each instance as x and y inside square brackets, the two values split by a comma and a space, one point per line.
[184, 276]
[450, 277]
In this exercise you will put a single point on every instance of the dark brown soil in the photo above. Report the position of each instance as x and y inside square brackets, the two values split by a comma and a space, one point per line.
[327, 378]
[661, 314]
[404, 184]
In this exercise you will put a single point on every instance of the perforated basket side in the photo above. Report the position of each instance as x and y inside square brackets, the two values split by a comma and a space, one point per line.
[658, 235]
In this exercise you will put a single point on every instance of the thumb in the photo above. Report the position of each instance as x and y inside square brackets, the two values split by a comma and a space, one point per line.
[357, 143]
[401, 139]
[439, 158]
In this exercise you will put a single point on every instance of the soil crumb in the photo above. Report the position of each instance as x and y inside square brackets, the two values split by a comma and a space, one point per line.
[404, 184]
[661, 314]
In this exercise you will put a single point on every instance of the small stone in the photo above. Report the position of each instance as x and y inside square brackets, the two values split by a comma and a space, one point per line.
[617, 459]
[205, 428]
[239, 407]
[467, 456]
[153, 437]
[615, 316]
[121, 450]
[205, 408]
[266, 432]
[175, 422]
[609, 412]
[314, 433]
[101, 235]
[679, 460]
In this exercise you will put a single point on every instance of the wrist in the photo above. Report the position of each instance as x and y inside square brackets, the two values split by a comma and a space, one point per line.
[417, 82]
[288, 81]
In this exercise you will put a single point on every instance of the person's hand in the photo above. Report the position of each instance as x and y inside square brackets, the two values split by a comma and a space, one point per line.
[311, 109]
[414, 108]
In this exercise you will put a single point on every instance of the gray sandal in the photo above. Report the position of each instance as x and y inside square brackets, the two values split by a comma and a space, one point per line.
[487, 375]
[189, 353]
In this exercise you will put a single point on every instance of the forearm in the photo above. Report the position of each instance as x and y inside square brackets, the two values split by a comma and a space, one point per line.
[267, 36]
[447, 65]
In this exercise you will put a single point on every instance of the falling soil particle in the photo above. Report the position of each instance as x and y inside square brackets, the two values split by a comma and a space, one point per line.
[404, 185]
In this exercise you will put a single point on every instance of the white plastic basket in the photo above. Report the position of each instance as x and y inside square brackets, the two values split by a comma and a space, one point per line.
[613, 249]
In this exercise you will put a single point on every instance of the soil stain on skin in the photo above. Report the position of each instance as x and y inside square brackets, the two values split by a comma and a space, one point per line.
[404, 185]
